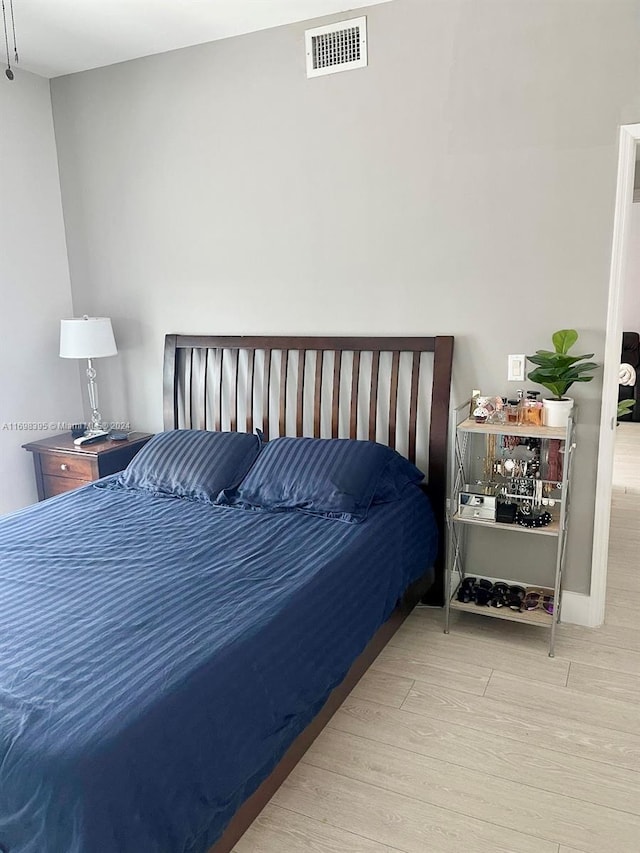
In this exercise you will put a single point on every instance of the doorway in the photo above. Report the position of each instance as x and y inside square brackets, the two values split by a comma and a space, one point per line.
[629, 139]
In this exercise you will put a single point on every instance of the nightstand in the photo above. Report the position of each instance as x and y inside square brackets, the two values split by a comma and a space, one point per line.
[61, 466]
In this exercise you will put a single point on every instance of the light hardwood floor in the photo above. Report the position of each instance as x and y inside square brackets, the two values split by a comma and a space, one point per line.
[479, 742]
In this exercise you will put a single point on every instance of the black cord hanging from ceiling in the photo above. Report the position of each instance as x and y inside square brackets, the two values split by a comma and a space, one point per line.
[9, 70]
[13, 28]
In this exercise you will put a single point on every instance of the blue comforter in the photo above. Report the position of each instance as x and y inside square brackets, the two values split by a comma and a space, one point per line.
[158, 656]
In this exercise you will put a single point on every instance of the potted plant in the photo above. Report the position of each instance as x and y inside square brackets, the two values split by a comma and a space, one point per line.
[557, 371]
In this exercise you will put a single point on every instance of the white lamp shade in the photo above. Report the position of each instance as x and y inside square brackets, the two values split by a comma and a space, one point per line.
[87, 337]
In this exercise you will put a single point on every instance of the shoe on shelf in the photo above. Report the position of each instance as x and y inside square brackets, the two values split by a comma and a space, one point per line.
[515, 597]
[483, 592]
[466, 590]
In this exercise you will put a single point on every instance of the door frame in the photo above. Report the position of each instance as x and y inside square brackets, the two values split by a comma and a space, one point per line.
[629, 138]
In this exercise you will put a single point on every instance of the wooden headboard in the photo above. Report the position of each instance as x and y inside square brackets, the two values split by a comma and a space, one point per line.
[392, 390]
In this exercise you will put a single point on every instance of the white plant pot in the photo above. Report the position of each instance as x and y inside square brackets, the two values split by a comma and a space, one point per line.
[555, 413]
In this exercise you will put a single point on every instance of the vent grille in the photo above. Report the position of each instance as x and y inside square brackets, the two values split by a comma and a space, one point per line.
[337, 47]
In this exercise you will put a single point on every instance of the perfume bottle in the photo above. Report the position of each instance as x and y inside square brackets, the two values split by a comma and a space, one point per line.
[512, 412]
[520, 398]
[499, 414]
[532, 409]
[484, 409]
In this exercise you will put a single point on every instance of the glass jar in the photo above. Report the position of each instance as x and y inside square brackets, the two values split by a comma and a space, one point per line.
[499, 414]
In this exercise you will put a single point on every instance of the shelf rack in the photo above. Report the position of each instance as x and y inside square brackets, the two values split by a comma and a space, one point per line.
[552, 529]
[530, 617]
[460, 473]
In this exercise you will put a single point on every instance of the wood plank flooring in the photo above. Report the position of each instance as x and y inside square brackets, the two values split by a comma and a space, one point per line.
[478, 741]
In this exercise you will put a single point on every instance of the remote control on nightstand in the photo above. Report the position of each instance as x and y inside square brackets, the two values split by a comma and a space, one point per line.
[89, 439]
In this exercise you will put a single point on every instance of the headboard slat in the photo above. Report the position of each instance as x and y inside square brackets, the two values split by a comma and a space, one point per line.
[355, 391]
[302, 363]
[266, 388]
[233, 420]
[250, 380]
[189, 392]
[170, 383]
[203, 389]
[335, 395]
[373, 395]
[317, 401]
[197, 392]
[413, 404]
[393, 399]
[284, 364]
[217, 385]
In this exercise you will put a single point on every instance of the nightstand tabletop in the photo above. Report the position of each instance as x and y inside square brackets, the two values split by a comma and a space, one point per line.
[64, 444]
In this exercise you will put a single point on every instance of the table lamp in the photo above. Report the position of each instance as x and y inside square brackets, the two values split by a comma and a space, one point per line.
[88, 337]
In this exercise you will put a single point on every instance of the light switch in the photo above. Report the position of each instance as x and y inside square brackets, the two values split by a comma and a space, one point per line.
[517, 364]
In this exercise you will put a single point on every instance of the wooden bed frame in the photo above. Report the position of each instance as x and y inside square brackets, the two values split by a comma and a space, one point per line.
[318, 386]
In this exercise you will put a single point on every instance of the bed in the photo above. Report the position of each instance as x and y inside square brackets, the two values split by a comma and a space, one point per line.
[166, 660]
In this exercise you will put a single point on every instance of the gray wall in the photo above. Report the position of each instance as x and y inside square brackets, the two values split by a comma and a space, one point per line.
[463, 183]
[37, 386]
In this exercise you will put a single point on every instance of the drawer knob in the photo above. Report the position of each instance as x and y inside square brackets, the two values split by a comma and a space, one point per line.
[64, 467]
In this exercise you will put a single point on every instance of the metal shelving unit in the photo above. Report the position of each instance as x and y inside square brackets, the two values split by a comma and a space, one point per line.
[465, 470]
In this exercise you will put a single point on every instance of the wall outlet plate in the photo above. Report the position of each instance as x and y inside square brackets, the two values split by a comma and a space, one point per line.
[517, 368]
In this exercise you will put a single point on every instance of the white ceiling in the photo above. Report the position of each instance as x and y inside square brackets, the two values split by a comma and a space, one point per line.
[62, 36]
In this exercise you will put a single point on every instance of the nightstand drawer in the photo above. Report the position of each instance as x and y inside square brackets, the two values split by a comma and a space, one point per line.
[58, 485]
[67, 465]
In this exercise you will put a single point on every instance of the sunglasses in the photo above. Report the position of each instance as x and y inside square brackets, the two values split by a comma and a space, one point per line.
[538, 599]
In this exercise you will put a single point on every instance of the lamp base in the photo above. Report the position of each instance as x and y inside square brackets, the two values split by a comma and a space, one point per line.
[95, 426]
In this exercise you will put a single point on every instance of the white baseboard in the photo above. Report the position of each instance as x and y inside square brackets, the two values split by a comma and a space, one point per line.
[577, 609]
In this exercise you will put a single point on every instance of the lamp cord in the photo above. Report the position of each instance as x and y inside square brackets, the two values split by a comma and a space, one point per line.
[8, 70]
[13, 28]
[6, 35]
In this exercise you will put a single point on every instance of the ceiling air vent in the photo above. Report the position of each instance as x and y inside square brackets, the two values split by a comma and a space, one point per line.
[337, 47]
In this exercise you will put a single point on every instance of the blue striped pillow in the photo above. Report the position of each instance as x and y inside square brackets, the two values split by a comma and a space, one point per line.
[337, 478]
[397, 475]
[192, 463]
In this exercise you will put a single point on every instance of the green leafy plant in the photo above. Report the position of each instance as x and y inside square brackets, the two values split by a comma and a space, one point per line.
[557, 370]
[625, 406]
